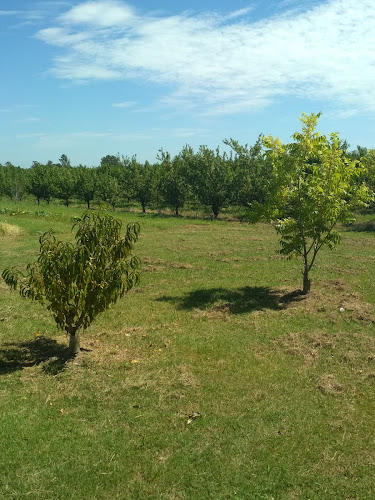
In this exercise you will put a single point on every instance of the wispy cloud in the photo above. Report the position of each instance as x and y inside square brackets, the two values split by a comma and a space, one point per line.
[29, 119]
[9, 12]
[239, 12]
[125, 104]
[70, 138]
[229, 63]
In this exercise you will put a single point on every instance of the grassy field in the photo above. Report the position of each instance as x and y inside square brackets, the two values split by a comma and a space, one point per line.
[284, 384]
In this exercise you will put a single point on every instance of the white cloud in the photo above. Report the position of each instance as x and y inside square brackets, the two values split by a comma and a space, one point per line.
[102, 13]
[222, 64]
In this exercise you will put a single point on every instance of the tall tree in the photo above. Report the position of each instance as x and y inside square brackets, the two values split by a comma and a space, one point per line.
[64, 161]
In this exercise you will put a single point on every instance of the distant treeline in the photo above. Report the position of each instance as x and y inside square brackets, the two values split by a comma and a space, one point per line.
[208, 178]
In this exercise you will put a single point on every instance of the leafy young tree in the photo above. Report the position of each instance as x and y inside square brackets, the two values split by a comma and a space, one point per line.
[108, 189]
[13, 181]
[86, 184]
[173, 183]
[312, 188]
[80, 281]
[143, 178]
[110, 179]
[211, 176]
[369, 175]
[66, 183]
[251, 172]
[42, 181]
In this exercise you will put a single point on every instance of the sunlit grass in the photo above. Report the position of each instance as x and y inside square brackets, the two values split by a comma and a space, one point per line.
[284, 384]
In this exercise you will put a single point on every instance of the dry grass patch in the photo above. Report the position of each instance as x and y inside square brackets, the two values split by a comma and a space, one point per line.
[332, 298]
[181, 265]
[130, 331]
[152, 269]
[329, 385]
[356, 350]
[187, 377]
[307, 346]
[148, 260]
[358, 310]
[10, 230]
[221, 311]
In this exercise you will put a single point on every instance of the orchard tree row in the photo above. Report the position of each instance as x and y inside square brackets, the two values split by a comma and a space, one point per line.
[207, 177]
[305, 187]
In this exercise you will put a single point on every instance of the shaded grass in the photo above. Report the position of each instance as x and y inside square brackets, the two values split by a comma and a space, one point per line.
[20, 355]
[284, 383]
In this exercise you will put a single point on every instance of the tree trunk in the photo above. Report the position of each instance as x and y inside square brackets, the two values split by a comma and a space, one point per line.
[306, 281]
[177, 212]
[88, 204]
[74, 344]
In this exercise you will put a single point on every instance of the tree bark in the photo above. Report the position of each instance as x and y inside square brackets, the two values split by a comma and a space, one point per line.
[306, 281]
[74, 344]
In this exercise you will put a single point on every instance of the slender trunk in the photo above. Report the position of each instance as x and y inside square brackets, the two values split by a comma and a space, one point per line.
[74, 344]
[306, 281]
[143, 207]
[176, 211]
[88, 204]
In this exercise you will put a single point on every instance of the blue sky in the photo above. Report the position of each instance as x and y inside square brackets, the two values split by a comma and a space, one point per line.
[92, 78]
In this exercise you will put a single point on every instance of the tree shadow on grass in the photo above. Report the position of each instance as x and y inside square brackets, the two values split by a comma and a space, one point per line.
[41, 350]
[238, 301]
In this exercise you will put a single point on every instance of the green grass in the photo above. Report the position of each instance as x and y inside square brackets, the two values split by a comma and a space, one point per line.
[284, 384]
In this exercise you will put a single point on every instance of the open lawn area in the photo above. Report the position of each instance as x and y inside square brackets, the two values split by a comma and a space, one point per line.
[213, 379]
